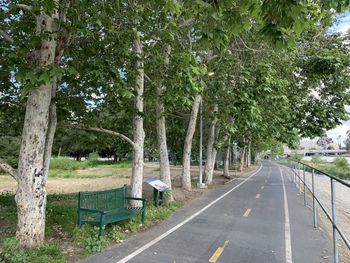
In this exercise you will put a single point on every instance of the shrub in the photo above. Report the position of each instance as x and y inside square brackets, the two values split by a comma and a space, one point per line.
[296, 157]
[341, 163]
[93, 156]
[316, 159]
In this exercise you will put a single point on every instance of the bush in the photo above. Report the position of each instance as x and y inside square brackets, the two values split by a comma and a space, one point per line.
[93, 156]
[296, 157]
[341, 162]
[316, 159]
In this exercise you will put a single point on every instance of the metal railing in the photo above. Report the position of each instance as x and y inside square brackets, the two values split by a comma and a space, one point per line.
[298, 179]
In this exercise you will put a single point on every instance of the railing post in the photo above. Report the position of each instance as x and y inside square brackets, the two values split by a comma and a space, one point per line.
[299, 187]
[313, 198]
[304, 185]
[334, 219]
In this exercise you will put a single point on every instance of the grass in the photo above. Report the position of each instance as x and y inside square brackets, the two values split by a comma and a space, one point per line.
[67, 168]
[61, 227]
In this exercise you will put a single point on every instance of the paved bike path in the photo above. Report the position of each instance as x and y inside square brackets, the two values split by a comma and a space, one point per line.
[245, 221]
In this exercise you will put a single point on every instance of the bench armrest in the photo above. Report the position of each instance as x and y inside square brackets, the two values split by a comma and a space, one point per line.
[92, 210]
[137, 199]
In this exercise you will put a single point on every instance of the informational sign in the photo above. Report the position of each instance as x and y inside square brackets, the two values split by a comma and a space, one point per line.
[158, 184]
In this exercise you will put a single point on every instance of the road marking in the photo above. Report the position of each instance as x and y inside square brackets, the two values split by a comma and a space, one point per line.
[265, 181]
[257, 196]
[263, 187]
[156, 240]
[247, 212]
[218, 253]
[288, 243]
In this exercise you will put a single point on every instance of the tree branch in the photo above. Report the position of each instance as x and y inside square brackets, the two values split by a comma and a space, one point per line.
[25, 7]
[6, 36]
[96, 129]
[8, 169]
[147, 78]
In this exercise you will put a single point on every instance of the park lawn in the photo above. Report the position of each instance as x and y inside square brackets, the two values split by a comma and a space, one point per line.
[67, 168]
[65, 241]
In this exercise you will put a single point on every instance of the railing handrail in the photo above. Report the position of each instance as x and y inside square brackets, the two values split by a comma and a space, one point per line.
[326, 174]
[332, 217]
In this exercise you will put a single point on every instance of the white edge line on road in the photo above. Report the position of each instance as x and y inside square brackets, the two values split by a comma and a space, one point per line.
[154, 241]
[287, 237]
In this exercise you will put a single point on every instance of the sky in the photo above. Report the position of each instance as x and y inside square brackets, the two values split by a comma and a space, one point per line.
[342, 26]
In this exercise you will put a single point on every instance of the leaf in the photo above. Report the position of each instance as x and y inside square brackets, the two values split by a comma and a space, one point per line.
[195, 70]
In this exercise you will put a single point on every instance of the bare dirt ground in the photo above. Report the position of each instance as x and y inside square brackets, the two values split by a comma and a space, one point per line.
[323, 193]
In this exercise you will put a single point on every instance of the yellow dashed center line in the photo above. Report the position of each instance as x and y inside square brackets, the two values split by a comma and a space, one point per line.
[257, 196]
[218, 253]
[247, 212]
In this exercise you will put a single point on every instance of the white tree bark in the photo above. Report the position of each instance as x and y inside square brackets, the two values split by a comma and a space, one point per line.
[186, 163]
[51, 131]
[211, 151]
[249, 154]
[242, 158]
[31, 192]
[4, 166]
[214, 153]
[165, 175]
[227, 160]
[139, 134]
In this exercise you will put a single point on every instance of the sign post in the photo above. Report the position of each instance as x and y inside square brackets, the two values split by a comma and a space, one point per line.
[159, 188]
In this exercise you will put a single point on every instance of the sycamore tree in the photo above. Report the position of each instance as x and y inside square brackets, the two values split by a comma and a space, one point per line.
[86, 55]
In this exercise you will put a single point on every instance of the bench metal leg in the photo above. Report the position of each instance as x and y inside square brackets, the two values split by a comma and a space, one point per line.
[79, 219]
[101, 232]
[143, 217]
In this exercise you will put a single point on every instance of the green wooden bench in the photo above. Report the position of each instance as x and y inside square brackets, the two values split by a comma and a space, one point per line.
[104, 207]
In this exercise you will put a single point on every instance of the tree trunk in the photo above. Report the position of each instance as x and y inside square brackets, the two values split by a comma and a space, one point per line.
[139, 134]
[165, 175]
[209, 165]
[51, 131]
[59, 152]
[214, 153]
[227, 160]
[249, 155]
[186, 164]
[32, 166]
[242, 158]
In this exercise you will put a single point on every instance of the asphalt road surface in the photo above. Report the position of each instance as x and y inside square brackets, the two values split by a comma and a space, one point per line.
[259, 218]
